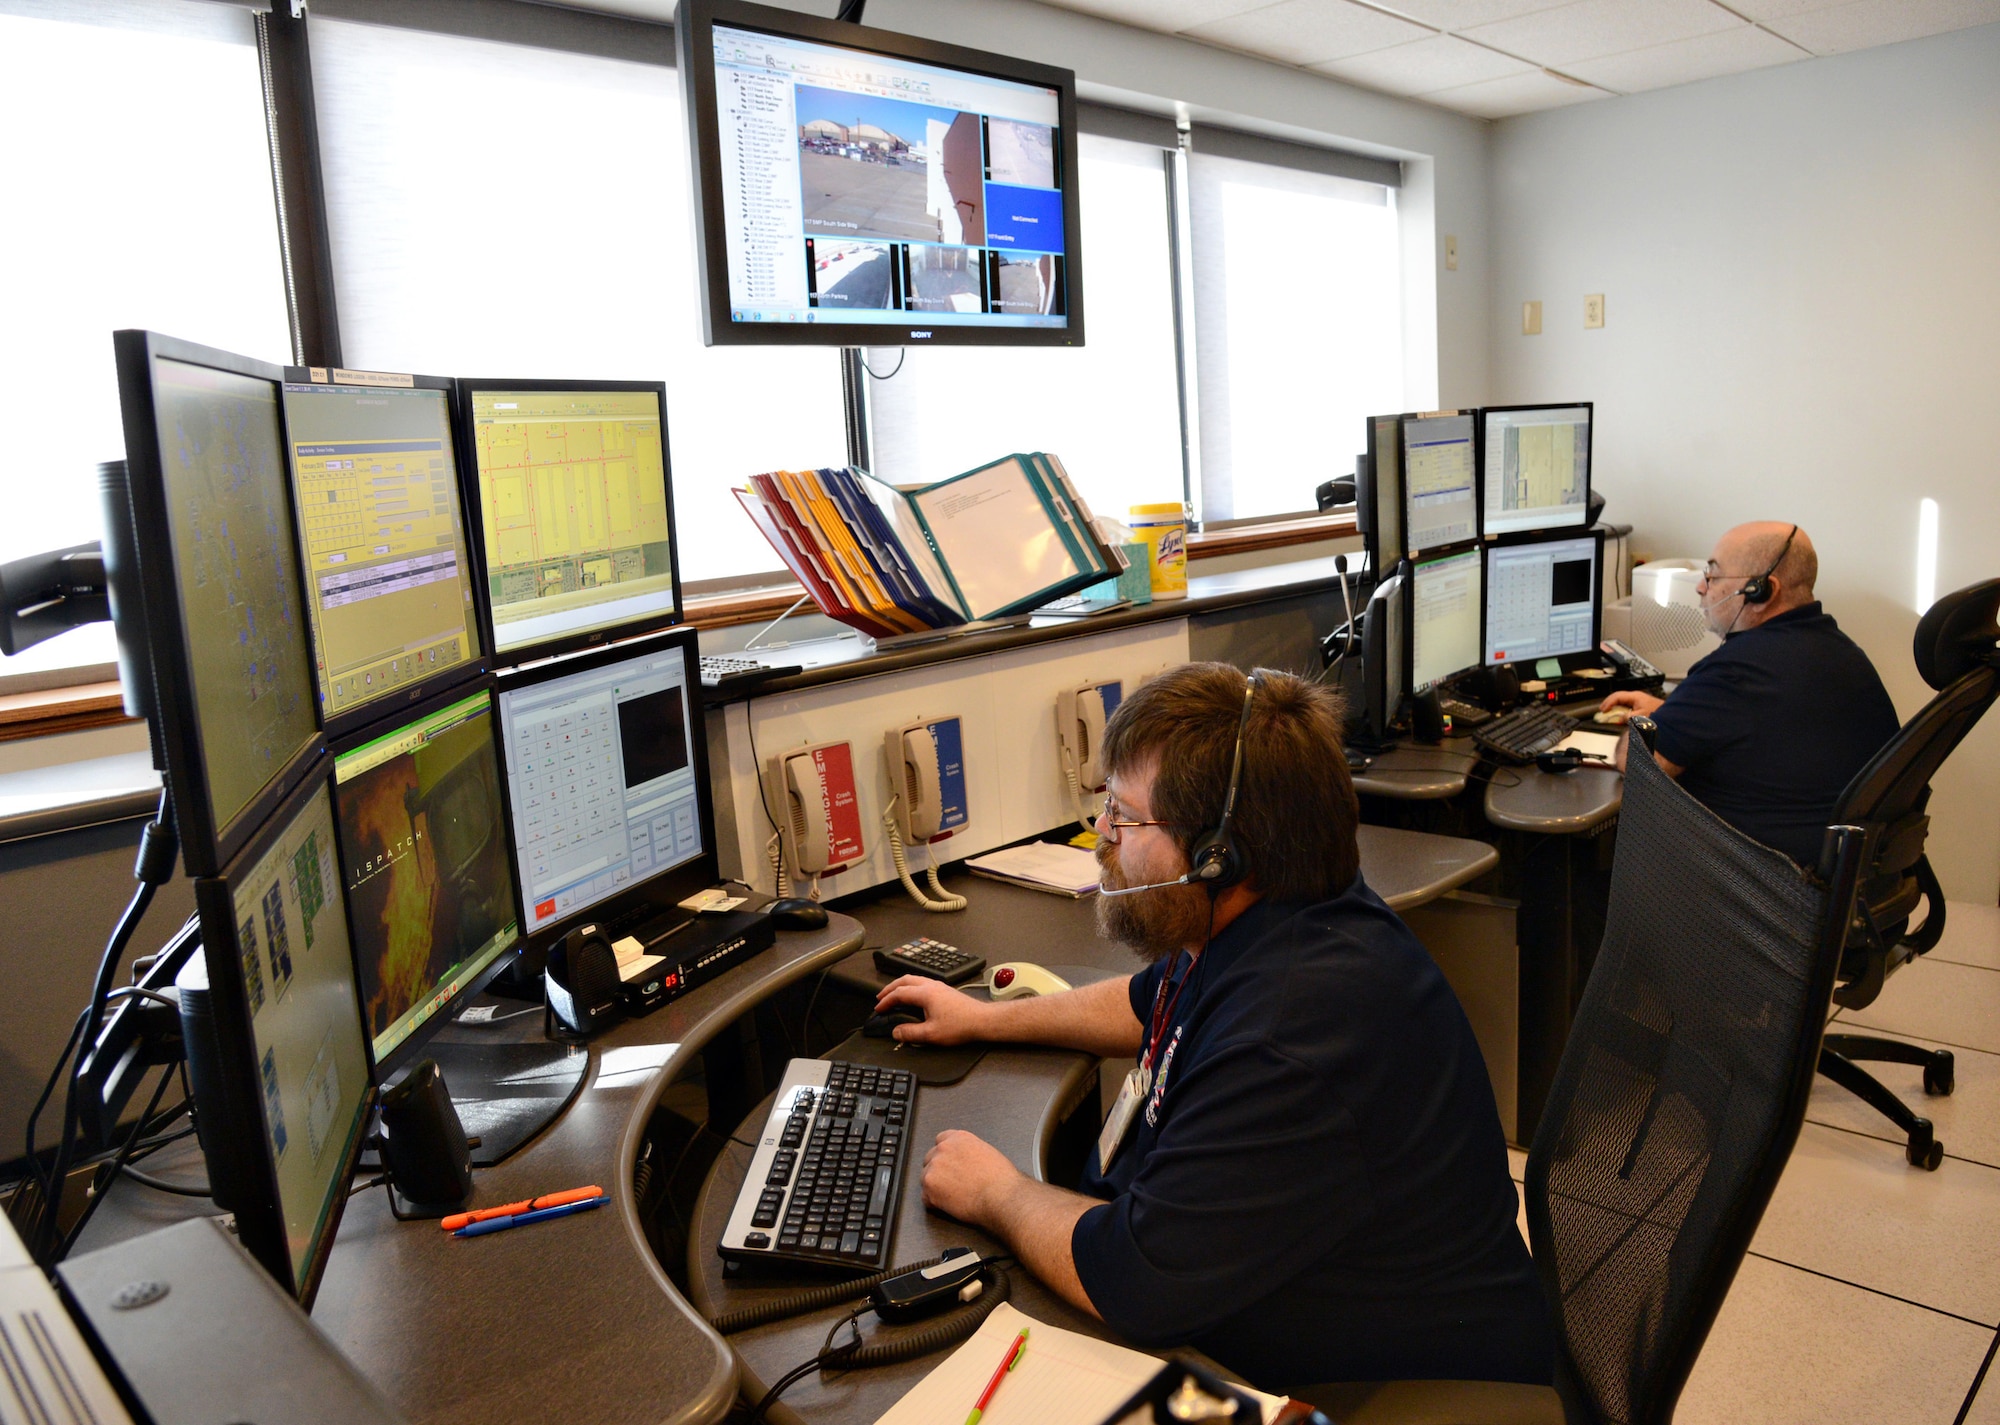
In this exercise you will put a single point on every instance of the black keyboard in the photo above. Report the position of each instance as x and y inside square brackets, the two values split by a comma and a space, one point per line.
[727, 672]
[930, 958]
[1525, 733]
[828, 1171]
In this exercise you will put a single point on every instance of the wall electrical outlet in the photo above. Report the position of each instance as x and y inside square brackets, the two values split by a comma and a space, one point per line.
[1593, 311]
[1450, 253]
[1531, 319]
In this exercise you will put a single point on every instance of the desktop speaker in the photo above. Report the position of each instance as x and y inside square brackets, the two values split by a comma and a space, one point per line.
[582, 980]
[424, 1144]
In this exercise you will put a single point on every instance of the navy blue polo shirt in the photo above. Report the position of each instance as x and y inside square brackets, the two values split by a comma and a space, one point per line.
[1773, 725]
[1316, 1189]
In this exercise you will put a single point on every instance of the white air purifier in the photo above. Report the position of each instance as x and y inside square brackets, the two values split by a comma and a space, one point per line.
[1668, 630]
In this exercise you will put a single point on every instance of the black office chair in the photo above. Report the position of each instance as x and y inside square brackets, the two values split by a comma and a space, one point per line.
[1674, 1109]
[1957, 650]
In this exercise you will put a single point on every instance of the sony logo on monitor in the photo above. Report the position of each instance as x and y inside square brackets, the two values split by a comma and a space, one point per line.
[919, 336]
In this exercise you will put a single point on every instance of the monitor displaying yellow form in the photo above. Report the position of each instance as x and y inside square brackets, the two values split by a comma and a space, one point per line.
[1441, 501]
[1445, 616]
[1537, 467]
[386, 567]
[575, 510]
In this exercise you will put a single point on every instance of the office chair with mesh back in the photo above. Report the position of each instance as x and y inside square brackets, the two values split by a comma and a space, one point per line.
[1676, 1104]
[1957, 648]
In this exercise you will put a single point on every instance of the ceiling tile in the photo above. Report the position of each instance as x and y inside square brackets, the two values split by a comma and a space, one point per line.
[1463, 14]
[1513, 94]
[1308, 31]
[1166, 16]
[1590, 28]
[1684, 61]
[1883, 22]
[1779, 9]
[1440, 62]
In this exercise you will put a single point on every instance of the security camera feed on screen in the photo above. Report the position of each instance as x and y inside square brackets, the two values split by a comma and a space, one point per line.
[387, 573]
[573, 503]
[1537, 468]
[305, 1027]
[223, 466]
[430, 893]
[859, 187]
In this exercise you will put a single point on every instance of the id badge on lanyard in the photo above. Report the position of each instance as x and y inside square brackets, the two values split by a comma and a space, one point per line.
[1139, 1082]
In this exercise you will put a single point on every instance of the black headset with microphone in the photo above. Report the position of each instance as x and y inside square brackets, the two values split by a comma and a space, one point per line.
[1215, 861]
[1757, 589]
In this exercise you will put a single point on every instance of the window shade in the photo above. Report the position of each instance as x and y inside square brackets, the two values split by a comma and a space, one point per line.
[508, 211]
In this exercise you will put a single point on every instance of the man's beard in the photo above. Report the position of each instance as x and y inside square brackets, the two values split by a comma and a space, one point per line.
[1153, 924]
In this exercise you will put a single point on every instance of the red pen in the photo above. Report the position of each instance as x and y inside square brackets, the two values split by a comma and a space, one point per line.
[553, 1199]
[1014, 1354]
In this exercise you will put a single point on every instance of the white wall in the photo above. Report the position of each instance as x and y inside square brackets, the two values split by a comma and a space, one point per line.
[1803, 323]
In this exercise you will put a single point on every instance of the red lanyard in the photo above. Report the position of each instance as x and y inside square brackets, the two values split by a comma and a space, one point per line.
[1162, 1020]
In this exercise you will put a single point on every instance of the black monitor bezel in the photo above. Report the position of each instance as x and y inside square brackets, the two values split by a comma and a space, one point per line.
[1380, 561]
[407, 1052]
[1431, 556]
[206, 847]
[694, 25]
[381, 708]
[1589, 461]
[260, 1222]
[473, 500]
[662, 891]
[1561, 535]
[1478, 479]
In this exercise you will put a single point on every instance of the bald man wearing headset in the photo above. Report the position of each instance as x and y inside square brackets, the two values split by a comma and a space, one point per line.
[1768, 729]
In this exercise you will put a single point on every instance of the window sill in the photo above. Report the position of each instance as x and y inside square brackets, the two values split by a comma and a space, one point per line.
[54, 710]
[763, 605]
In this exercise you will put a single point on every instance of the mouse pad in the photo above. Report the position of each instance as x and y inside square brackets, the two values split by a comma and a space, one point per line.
[931, 1064]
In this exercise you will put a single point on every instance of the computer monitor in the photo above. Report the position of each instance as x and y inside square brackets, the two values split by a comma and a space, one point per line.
[224, 621]
[574, 511]
[1543, 598]
[277, 1050]
[1378, 494]
[1383, 659]
[856, 187]
[1440, 482]
[429, 881]
[1536, 467]
[607, 780]
[1444, 617]
[388, 579]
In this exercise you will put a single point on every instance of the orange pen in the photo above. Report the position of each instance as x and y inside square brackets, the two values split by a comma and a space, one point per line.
[554, 1199]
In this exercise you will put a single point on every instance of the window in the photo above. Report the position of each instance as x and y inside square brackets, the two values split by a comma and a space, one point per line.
[500, 210]
[140, 186]
[1298, 306]
[1110, 410]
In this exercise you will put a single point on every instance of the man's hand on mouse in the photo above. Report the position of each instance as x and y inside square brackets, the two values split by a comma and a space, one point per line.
[963, 1174]
[1641, 704]
[950, 1015]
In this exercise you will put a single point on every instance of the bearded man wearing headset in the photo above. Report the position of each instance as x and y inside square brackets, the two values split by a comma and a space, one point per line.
[1768, 729]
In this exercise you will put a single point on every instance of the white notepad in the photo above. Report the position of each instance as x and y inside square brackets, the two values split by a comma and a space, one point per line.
[1066, 870]
[1063, 1378]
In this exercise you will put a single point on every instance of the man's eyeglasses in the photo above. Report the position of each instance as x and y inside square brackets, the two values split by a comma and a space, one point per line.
[1111, 826]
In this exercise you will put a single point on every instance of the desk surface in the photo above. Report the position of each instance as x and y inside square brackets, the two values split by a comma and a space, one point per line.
[574, 1320]
[1014, 1098]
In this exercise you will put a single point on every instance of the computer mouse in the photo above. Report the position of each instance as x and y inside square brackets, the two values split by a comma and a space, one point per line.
[883, 1025]
[1012, 981]
[793, 913]
[1612, 717]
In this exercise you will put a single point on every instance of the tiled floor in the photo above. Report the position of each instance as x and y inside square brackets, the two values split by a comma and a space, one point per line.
[1872, 1291]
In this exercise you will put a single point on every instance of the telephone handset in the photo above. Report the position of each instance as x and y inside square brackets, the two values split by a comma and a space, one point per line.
[805, 794]
[813, 795]
[914, 754]
[1080, 717]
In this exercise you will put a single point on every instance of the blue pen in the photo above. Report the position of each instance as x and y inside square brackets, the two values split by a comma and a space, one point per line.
[522, 1219]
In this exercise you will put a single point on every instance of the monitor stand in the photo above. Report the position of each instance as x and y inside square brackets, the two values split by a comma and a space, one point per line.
[505, 1093]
